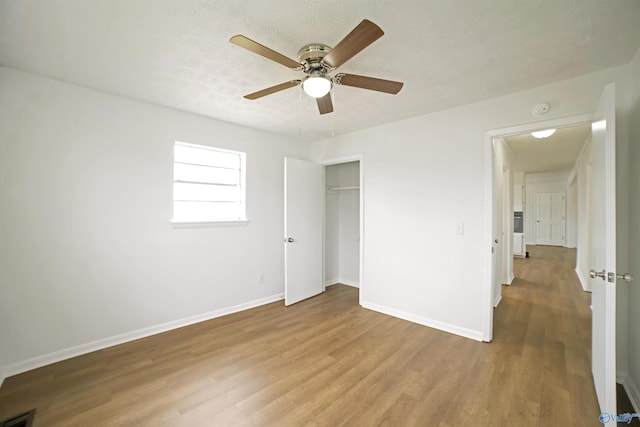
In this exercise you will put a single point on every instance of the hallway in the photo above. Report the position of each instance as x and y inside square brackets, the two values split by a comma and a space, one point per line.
[543, 325]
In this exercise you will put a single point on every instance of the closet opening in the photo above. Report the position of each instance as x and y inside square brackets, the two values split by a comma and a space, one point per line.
[343, 224]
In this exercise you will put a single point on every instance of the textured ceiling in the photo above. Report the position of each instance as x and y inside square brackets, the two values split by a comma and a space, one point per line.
[176, 52]
[555, 153]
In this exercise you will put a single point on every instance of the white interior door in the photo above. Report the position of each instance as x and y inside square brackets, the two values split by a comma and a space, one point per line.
[496, 245]
[550, 219]
[304, 229]
[603, 251]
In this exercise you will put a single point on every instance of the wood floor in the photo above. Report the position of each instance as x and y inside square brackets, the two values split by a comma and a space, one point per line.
[328, 362]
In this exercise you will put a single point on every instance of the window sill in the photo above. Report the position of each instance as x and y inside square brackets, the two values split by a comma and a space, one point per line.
[208, 224]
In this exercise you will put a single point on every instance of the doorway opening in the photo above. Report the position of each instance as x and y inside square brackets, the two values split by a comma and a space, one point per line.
[343, 223]
[549, 197]
[510, 204]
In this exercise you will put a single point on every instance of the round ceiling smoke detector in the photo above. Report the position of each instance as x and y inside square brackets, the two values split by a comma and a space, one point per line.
[540, 109]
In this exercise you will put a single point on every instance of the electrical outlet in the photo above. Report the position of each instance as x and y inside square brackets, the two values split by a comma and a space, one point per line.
[261, 279]
[460, 228]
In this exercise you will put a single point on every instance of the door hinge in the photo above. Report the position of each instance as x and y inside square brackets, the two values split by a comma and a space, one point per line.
[611, 277]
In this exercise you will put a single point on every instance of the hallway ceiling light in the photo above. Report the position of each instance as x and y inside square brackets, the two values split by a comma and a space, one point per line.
[543, 133]
[601, 124]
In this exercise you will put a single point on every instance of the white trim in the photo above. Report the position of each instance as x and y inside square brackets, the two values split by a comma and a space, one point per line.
[339, 160]
[442, 326]
[1, 375]
[511, 279]
[586, 284]
[497, 302]
[531, 126]
[349, 283]
[342, 282]
[632, 390]
[487, 290]
[56, 356]
[206, 224]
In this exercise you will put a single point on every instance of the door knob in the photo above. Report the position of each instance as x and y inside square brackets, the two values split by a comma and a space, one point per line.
[625, 276]
[601, 274]
[290, 239]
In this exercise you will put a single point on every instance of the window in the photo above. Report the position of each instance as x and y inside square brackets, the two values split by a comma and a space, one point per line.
[208, 184]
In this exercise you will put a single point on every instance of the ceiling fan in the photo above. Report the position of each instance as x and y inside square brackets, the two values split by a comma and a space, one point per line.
[318, 61]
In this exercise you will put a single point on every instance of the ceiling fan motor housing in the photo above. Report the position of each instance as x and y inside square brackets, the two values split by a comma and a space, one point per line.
[311, 58]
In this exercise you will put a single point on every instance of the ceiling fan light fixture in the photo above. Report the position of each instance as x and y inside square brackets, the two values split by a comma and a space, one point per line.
[316, 86]
[543, 133]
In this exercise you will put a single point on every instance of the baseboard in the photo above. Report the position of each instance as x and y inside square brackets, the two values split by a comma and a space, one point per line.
[342, 282]
[57, 356]
[442, 326]
[1, 376]
[497, 301]
[512, 277]
[349, 283]
[632, 390]
[586, 285]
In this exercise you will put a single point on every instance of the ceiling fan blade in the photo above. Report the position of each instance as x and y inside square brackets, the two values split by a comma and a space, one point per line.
[325, 105]
[256, 47]
[272, 89]
[371, 83]
[362, 36]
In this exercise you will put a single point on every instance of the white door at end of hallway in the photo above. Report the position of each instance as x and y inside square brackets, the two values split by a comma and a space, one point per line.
[550, 219]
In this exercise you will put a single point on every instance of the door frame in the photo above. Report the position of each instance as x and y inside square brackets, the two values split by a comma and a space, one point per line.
[337, 161]
[488, 305]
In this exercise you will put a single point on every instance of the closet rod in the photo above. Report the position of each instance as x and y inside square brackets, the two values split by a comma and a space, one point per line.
[342, 188]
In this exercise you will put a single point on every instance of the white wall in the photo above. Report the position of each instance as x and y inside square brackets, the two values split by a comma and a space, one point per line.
[571, 231]
[87, 250]
[423, 176]
[342, 222]
[582, 172]
[633, 295]
[518, 191]
[545, 182]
